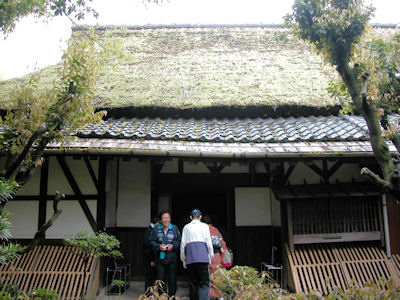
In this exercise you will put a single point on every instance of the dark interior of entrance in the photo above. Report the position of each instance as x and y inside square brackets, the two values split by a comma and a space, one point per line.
[212, 204]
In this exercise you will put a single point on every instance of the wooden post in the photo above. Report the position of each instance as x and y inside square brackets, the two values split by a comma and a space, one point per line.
[155, 167]
[290, 224]
[230, 203]
[101, 200]
[44, 176]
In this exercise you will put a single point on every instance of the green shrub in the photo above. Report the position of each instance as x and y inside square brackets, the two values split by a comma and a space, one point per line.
[43, 294]
[12, 292]
[242, 283]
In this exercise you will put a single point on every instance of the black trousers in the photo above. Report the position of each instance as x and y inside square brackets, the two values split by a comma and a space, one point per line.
[199, 281]
[150, 275]
[167, 273]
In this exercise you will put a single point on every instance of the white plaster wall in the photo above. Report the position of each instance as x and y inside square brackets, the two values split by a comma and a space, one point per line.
[134, 195]
[344, 174]
[195, 167]
[58, 182]
[170, 166]
[71, 220]
[25, 218]
[111, 193]
[32, 186]
[253, 207]
[301, 172]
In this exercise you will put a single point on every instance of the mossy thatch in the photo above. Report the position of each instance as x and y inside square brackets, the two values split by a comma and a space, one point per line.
[207, 66]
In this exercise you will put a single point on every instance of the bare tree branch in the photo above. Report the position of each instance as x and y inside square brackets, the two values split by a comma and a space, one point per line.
[39, 235]
[14, 166]
[375, 179]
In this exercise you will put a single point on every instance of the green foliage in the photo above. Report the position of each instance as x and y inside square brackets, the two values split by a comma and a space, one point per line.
[156, 292]
[12, 11]
[8, 251]
[377, 54]
[7, 189]
[59, 110]
[242, 281]
[118, 283]
[96, 244]
[12, 292]
[43, 294]
[332, 26]
[245, 283]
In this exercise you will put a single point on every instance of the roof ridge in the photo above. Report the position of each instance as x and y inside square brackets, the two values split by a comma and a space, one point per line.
[189, 26]
[175, 26]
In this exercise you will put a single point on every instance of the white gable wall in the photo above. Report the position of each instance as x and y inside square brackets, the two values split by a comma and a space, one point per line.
[134, 194]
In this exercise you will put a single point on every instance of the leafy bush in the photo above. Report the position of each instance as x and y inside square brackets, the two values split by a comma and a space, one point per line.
[12, 292]
[242, 282]
[156, 292]
[42, 294]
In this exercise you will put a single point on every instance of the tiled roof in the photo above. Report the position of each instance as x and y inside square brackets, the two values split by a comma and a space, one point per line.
[207, 149]
[281, 130]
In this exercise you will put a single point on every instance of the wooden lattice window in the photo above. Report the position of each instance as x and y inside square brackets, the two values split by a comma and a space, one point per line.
[336, 219]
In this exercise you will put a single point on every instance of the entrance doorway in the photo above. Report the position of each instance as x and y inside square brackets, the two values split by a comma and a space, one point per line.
[212, 204]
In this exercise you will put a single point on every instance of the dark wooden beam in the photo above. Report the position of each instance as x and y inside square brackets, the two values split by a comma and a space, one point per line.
[101, 188]
[44, 176]
[199, 181]
[68, 174]
[252, 172]
[288, 173]
[92, 175]
[316, 169]
[325, 171]
[155, 166]
[51, 197]
[215, 169]
[180, 166]
[334, 168]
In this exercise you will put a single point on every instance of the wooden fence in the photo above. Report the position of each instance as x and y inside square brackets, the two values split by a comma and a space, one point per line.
[323, 266]
[52, 267]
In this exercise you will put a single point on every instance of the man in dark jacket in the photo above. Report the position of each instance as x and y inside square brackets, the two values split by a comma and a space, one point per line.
[150, 262]
[165, 241]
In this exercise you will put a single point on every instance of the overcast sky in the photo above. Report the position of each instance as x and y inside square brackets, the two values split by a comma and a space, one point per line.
[35, 44]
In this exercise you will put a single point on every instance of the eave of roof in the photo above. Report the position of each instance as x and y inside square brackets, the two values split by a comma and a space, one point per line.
[204, 149]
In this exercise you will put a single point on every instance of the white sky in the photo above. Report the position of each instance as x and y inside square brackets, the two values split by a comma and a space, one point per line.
[35, 44]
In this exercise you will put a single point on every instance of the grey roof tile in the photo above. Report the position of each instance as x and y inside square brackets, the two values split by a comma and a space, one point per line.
[302, 129]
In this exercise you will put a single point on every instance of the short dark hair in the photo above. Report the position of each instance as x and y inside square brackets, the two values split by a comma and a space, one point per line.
[206, 219]
[162, 213]
[196, 213]
[155, 220]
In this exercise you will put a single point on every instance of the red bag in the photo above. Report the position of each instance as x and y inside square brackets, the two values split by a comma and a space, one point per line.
[228, 258]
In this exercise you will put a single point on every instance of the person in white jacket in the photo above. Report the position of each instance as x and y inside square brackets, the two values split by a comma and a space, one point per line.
[196, 254]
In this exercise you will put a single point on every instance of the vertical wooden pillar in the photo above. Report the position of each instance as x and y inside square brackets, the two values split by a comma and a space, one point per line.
[290, 224]
[44, 176]
[155, 167]
[101, 199]
[231, 216]
[393, 213]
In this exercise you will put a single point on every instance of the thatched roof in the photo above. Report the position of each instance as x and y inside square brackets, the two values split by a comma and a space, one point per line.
[203, 67]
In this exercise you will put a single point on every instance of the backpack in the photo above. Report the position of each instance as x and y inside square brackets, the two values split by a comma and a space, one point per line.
[216, 242]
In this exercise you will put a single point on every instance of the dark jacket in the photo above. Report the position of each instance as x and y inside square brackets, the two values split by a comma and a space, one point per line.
[158, 237]
[147, 249]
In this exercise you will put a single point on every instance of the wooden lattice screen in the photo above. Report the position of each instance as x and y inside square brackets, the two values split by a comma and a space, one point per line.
[324, 220]
[322, 266]
[52, 267]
